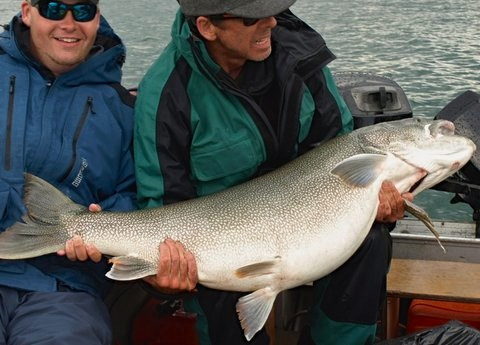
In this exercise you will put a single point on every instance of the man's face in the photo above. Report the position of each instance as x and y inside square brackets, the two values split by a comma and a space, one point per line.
[235, 43]
[61, 44]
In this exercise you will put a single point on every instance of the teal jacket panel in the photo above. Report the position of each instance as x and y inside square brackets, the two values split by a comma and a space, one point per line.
[197, 131]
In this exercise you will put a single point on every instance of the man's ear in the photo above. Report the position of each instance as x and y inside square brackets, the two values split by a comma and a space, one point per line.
[206, 28]
[26, 9]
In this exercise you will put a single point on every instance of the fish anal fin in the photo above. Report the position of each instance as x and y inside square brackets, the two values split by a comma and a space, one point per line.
[130, 267]
[253, 310]
[258, 268]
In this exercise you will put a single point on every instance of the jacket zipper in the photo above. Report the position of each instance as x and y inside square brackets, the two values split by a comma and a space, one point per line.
[88, 108]
[268, 133]
[8, 136]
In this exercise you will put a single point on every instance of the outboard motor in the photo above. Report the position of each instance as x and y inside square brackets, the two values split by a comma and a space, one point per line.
[464, 112]
[372, 98]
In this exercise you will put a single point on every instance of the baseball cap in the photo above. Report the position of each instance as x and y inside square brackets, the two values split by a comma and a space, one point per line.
[239, 8]
[34, 2]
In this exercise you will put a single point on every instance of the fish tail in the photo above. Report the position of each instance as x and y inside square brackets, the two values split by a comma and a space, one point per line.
[42, 229]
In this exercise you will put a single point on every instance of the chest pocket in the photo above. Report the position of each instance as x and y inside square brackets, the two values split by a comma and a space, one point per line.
[216, 169]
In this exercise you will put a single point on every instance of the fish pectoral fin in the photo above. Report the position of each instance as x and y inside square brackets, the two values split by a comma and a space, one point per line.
[130, 267]
[259, 268]
[360, 170]
[253, 310]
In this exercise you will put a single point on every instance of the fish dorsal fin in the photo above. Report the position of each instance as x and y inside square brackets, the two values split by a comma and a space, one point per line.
[360, 170]
[258, 268]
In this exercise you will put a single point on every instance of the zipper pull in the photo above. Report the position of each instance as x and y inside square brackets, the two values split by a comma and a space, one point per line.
[90, 105]
[11, 87]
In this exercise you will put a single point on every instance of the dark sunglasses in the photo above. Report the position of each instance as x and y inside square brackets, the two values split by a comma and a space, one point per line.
[246, 21]
[56, 10]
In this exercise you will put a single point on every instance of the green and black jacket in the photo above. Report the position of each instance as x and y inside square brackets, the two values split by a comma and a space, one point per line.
[198, 131]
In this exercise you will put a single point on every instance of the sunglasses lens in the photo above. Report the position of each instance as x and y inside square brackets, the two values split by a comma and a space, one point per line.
[250, 21]
[84, 12]
[52, 10]
[55, 10]
[246, 21]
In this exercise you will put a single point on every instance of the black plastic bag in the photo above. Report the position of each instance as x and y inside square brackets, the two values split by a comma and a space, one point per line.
[451, 333]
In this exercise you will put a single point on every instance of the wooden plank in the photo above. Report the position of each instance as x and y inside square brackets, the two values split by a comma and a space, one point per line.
[445, 228]
[429, 279]
[439, 280]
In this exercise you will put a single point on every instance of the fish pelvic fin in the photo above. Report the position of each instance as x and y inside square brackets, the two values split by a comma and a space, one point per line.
[360, 170]
[42, 230]
[130, 267]
[259, 268]
[253, 310]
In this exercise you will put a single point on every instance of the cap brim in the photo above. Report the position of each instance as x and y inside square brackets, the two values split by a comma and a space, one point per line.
[262, 9]
[34, 2]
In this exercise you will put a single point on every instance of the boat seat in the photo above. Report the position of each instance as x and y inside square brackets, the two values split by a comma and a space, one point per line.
[423, 314]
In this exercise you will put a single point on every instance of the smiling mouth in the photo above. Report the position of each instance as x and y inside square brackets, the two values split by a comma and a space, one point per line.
[264, 40]
[67, 40]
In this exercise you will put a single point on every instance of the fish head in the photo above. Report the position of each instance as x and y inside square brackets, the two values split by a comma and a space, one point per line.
[427, 151]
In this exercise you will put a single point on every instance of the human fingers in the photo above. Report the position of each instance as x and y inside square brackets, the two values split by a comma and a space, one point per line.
[79, 251]
[407, 196]
[69, 250]
[93, 253]
[391, 205]
[397, 203]
[383, 209]
[94, 208]
[192, 273]
[162, 279]
[176, 265]
[177, 269]
[187, 268]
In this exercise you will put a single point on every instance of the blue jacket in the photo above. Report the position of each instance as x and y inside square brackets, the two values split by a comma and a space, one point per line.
[74, 131]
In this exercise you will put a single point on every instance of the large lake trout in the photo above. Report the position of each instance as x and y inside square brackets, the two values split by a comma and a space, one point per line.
[281, 230]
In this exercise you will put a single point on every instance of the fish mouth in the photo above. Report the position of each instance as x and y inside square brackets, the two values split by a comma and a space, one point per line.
[418, 174]
[427, 166]
[427, 178]
[417, 184]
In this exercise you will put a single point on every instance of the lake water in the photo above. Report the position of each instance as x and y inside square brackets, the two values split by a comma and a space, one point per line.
[431, 48]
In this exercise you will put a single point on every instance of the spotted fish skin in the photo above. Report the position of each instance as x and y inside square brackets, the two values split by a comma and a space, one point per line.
[278, 231]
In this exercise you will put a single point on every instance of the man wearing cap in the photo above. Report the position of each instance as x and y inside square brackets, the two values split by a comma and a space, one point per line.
[65, 118]
[242, 88]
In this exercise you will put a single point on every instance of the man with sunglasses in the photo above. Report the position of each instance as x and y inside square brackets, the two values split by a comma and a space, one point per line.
[64, 117]
[242, 88]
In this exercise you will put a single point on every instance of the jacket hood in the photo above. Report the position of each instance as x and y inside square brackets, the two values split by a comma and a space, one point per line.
[104, 64]
[293, 39]
[189, 44]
